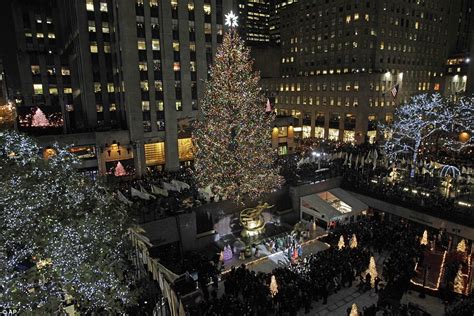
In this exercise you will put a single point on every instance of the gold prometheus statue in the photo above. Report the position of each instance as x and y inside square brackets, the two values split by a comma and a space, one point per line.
[252, 220]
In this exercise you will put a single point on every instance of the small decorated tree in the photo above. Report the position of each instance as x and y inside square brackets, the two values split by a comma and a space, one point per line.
[424, 238]
[341, 244]
[353, 242]
[354, 310]
[120, 170]
[459, 282]
[273, 286]
[461, 246]
[39, 119]
[372, 270]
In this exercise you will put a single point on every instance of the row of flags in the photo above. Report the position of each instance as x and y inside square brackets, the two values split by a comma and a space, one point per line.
[175, 185]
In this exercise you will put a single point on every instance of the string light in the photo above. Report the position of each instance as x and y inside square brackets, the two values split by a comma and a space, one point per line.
[232, 137]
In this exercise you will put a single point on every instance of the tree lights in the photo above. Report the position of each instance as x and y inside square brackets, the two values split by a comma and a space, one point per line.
[232, 136]
[62, 235]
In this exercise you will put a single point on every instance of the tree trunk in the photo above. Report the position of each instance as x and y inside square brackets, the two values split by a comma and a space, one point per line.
[415, 155]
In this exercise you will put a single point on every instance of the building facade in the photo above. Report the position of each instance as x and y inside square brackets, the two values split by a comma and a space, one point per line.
[341, 62]
[136, 72]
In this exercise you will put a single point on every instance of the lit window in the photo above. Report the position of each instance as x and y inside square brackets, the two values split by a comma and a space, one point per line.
[35, 69]
[90, 5]
[113, 107]
[110, 87]
[51, 35]
[145, 106]
[39, 35]
[65, 71]
[97, 87]
[144, 85]
[103, 6]
[142, 66]
[356, 16]
[141, 45]
[366, 17]
[105, 27]
[155, 44]
[28, 34]
[67, 90]
[192, 66]
[99, 108]
[176, 66]
[153, 3]
[207, 8]
[158, 85]
[191, 5]
[38, 88]
[91, 26]
[53, 91]
[179, 106]
[107, 47]
[436, 87]
[93, 47]
[348, 19]
[382, 45]
[160, 106]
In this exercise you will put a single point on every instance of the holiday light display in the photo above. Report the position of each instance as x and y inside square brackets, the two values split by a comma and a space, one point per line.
[232, 136]
[415, 122]
[119, 170]
[424, 238]
[273, 286]
[353, 242]
[458, 285]
[341, 244]
[354, 310]
[60, 233]
[39, 119]
[372, 270]
[461, 246]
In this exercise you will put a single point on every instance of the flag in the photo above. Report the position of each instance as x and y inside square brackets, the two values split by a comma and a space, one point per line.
[142, 189]
[394, 90]
[180, 185]
[123, 199]
[141, 195]
[157, 190]
[268, 108]
[170, 187]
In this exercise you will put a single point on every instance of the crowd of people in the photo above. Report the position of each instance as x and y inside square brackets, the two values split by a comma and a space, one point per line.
[319, 275]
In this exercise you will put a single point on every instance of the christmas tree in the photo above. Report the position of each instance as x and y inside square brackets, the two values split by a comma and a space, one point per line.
[39, 119]
[62, 234]
[461, 246]
[459, 281]
[424, 239]
[232, 136]
[372, 270]
[354, 310]
[273, 286]
[341, 243]
[353, 242]
[119, 170]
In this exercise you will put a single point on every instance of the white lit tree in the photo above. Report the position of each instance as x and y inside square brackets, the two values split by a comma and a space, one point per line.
[341, 244]
[353, 242]
[273, 286]
[62, 235]
[232, 136]
[372, 270]
[458, 285]
[414, 125]
[424, 238]
[354, 310]
[462, 125]
[461, 246]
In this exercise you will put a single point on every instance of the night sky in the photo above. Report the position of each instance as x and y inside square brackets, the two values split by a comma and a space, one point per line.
[8, 43]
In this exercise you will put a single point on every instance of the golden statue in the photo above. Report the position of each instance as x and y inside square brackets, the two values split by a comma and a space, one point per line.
[252, 220]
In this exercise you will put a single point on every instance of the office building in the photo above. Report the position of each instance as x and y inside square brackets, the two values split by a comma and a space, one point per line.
[254, 18]
[341, 62]
[134, 70]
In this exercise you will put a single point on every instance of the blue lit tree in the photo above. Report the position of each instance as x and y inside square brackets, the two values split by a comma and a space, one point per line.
[62, 236]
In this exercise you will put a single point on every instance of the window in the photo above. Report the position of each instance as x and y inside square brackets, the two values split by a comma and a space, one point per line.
[105, 27]
[158, 85]
[176, 66]
[144, 85]
[53, 91]
[207, 8]
[93, 47]
[107, 48]
[91, 26]
[192, 65]
[110, 87]
[39, 35]
[97, 87]
[141, 45]
[142, 66]
[155, 44]
[99, 108]
[51, 35]
[67, 90]
[90, 5]
[145, 106]
[38, 88]
[176, 46]
[103, 6]
[160, 106]
[35, 69]
[179, 106]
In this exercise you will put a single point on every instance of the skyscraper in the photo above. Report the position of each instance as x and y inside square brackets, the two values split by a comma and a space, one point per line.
[345, 66]
[136, 72]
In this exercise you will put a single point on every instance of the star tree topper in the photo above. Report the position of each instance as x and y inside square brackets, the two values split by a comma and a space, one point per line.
[231, 19]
